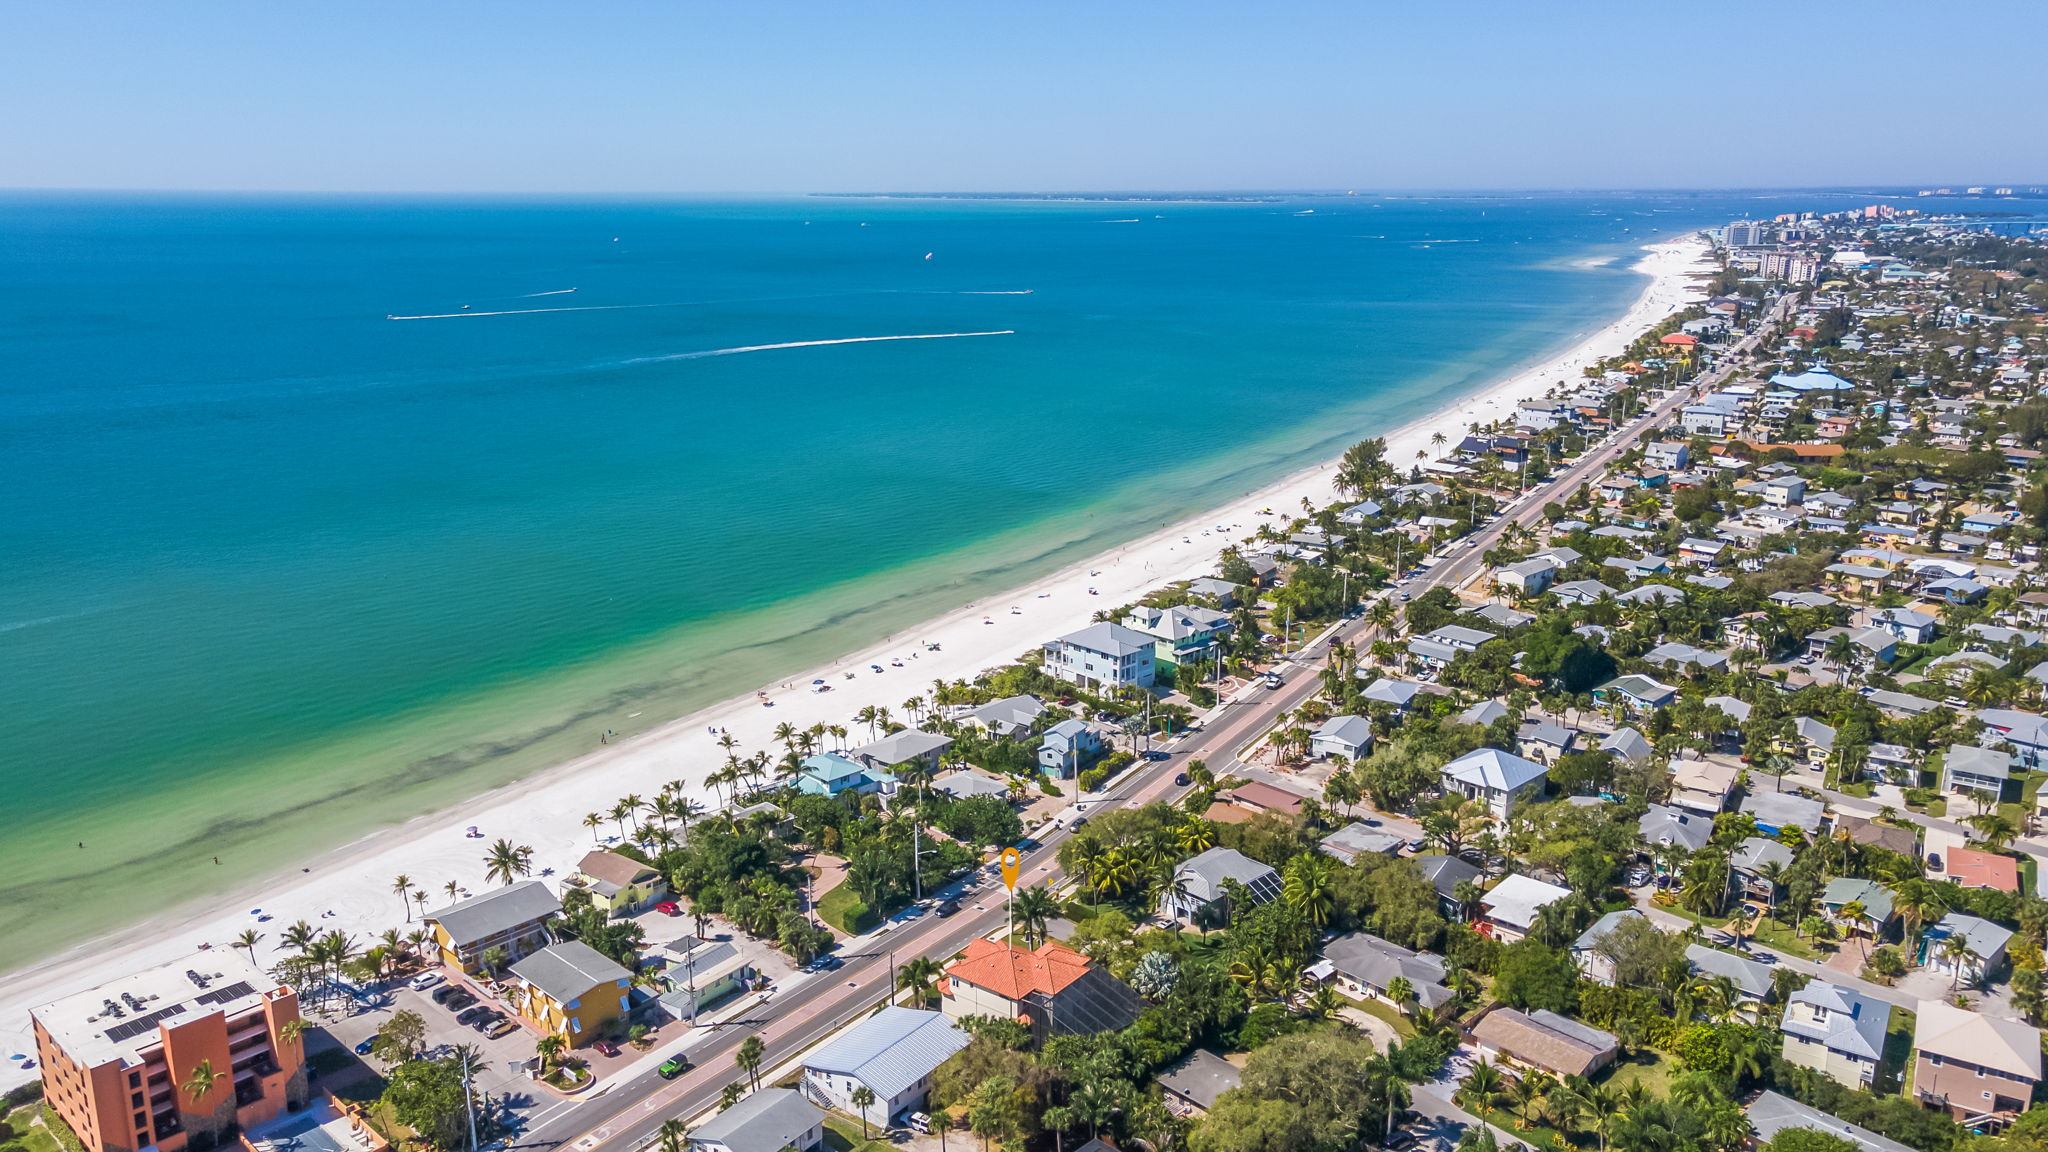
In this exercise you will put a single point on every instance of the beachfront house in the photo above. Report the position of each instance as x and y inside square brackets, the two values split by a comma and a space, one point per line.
[512, 920]
[1181, 634]
[1102, 657]
[618, 884]
[903, 749]
[831, 774]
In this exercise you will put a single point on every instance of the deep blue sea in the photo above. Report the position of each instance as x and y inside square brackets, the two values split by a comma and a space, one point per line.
[276, 568]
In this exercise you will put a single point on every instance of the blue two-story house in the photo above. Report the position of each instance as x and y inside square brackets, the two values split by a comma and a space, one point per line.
[1069, 746]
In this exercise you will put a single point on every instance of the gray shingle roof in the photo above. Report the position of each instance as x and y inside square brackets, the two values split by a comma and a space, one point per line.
[496, 911]
[767, 1121]
[1855, 1023]
[568, 970]
[1772, 1113]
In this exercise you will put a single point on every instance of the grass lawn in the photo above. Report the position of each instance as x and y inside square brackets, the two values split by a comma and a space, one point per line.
[835, 907]
[34, 1137]
[1772, 934]
[1895, 1069]
[1653, 1070]
[843, 1135]
[1384, 1011]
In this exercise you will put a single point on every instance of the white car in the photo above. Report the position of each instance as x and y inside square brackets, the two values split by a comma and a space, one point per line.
[423, 981]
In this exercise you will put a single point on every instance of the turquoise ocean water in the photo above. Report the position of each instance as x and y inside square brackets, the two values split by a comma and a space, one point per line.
[276, 570]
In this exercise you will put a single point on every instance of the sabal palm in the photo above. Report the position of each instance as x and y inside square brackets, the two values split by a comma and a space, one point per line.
[917, 976]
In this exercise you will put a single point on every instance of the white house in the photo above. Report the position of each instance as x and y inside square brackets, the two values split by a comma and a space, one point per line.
[1495, 778]
[892, 1053]
[1346, 736]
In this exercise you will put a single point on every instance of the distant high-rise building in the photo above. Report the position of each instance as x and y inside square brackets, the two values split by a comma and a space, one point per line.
[1797, 267]
[1745, 234]
[122, 1061]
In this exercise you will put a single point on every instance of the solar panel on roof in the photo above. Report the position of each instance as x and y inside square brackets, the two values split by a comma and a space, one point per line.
[128, 1029]
[232, 992]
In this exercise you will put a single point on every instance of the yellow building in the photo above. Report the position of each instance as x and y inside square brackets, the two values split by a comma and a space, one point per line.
[619, 884]
[570, 990]
[512, 919]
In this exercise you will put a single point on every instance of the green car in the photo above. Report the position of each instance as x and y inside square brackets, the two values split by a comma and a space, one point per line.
[673, 1067]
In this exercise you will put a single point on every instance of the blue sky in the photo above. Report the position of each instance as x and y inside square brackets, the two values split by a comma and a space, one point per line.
[760, 95]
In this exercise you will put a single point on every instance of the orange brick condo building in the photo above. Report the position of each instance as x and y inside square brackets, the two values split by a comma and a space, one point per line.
[179, 1057]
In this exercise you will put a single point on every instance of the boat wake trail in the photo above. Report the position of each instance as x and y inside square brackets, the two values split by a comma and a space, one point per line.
[556, 292]
[533, 311]
[1002, 292]
[810, 344]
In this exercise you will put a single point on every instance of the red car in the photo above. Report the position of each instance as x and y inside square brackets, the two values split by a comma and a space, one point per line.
[606, 1047]
[669, 908]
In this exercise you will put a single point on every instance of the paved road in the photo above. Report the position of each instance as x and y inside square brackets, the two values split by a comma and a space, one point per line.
[627, 1115]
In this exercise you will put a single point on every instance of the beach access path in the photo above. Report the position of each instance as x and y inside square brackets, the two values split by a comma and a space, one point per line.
[351, 889]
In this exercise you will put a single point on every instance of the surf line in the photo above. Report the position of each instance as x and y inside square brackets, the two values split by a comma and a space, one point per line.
[816, 344]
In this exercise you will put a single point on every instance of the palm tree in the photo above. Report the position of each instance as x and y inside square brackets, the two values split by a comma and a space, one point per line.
[506, 863]
[247, 942]
[593, 821]
[1034, 909]
[549, 1049]
[402, 884]
[918, 976]
[200, 1083]
[298, 936]
[1957, 952]
[862, 1097]
[749, 1058]
[673, 1133]
[452, 888]
[1481, 1087]
[1918, 903]
[1307, 890]
[1400, 991]
[1995, 829]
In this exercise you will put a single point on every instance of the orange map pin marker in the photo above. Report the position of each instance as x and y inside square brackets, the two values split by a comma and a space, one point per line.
[1012, 860]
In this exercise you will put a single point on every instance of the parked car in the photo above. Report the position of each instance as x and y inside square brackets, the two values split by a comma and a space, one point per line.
[423, 981]
[363, 1049]
[447, 992]
[471, 1015]
[918, 1122]
[501, 1027]
[459, 1001]
[490, 1018]
[669, 908]
[673, 1067]
[605, 1047]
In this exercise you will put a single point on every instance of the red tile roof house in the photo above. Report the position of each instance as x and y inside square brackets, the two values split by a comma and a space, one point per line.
[1055, 990]
[1973, 869]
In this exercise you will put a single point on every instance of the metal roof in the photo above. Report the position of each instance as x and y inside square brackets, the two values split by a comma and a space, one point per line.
[496, 911]
[891, 1050]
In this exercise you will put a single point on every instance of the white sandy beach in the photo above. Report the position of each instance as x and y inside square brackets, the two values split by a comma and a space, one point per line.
[351, 888]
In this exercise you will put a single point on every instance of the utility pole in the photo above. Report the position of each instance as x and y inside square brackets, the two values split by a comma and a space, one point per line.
[468, 1109]
[916, 863]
